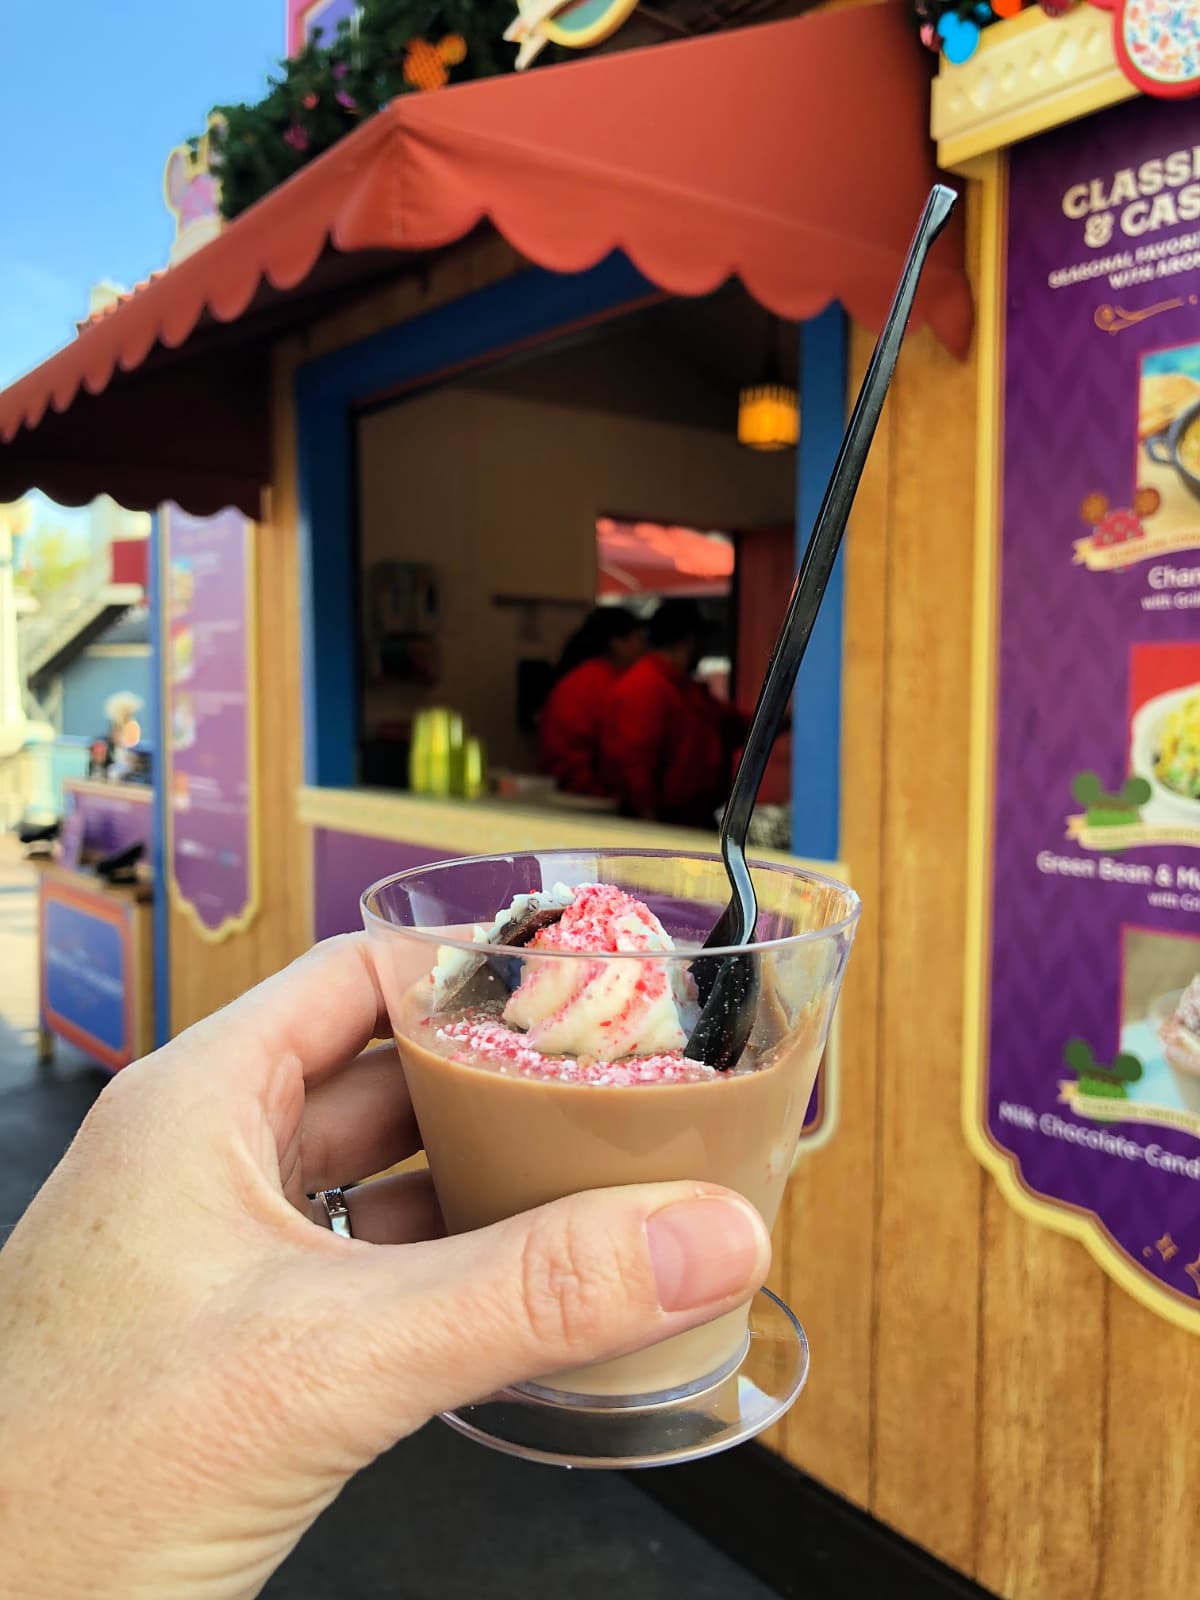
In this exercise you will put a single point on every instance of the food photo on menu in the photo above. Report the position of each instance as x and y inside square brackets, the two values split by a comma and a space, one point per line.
[183, 721]
[1160, 1029]
[1168, 463]
[1164, 734]
[1160, 517]
[183, 586]
[183, 653]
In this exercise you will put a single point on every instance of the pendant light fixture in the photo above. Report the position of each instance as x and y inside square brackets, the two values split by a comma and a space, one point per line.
[769, 411]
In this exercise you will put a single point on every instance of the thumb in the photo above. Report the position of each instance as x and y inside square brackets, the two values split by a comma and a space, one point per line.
[587, 1278]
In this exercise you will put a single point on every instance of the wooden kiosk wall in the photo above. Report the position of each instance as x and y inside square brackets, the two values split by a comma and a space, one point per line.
[977, 1382]
[204, 975]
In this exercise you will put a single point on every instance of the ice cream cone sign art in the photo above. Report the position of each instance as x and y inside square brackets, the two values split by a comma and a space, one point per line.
[193, 194]
[573, 24]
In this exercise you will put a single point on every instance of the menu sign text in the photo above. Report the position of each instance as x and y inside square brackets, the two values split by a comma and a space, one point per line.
[1084, 1088]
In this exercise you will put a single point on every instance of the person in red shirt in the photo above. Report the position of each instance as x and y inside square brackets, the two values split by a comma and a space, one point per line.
[606, 645]
[668, 744]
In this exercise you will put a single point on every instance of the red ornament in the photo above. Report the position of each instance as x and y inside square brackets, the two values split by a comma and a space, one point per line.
[312, 100]
[1057, 8]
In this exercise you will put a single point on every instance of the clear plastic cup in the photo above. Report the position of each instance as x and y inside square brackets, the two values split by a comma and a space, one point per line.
[500, 1142]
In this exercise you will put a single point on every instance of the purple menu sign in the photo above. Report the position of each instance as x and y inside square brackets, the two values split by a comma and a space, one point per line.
[1089, 1109]
[208, 668]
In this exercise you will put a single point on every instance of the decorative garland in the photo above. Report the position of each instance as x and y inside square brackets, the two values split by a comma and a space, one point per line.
[322, 92]
[1156, 42]
[953, 26]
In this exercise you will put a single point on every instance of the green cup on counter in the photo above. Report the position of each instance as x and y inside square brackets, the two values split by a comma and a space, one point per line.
[443, 761]
[418, 754]
[474, 769]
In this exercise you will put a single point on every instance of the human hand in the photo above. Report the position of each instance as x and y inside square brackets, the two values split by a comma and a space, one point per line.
[190, 1368]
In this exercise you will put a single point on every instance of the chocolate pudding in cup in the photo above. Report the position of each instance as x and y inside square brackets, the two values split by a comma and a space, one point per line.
[559, 1063]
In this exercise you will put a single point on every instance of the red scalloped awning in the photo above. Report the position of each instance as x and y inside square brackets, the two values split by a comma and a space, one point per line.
[793, 155]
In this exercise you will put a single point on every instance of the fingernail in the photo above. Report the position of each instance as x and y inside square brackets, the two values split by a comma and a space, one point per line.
[704, 1251]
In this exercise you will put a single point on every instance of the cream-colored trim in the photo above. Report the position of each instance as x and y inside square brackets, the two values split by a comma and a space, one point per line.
[1030, 73]
[141, 792]
[1063, 1218]
[492, 826]
[988, 454]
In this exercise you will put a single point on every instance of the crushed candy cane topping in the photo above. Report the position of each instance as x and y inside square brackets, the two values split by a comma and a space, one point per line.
[596, 1009]
[488, 1043]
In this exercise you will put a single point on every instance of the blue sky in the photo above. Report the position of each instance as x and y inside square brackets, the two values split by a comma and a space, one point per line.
[95, 97]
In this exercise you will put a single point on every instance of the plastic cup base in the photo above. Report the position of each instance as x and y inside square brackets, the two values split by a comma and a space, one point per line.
[653, 1430]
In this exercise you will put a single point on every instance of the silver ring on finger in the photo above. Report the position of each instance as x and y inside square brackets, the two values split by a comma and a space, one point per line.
[336, 1209]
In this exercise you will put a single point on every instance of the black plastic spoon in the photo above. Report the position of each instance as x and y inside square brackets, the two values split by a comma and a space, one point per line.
[728, 985]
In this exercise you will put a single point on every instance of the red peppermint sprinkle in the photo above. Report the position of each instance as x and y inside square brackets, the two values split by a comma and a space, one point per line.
[588, 926]
[491, 1044]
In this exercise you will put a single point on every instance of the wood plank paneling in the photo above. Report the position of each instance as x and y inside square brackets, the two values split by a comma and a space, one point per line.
[929, 1186]
[1151, 1530]
[1042, 1408]
[828, 1273]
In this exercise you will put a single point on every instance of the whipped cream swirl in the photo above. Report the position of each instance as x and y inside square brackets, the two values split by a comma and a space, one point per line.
[602, 1010]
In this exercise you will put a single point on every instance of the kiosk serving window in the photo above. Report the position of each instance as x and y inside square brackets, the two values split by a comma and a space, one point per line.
[497, 510]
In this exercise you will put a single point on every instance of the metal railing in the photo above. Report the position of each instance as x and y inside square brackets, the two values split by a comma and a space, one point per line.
[69, 608]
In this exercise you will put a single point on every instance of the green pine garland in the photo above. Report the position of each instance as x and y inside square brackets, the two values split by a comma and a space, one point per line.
[326, 89]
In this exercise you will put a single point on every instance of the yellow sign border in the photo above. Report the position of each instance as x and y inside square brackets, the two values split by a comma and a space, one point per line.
[1061, 1216]
[175, 895]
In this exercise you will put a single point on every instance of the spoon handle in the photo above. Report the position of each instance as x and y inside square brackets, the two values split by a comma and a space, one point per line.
[813, 577]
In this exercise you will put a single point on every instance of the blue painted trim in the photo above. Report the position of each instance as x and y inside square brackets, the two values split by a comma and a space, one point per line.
[157, 722]
[817, 727]
[520, 310]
